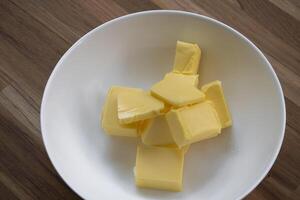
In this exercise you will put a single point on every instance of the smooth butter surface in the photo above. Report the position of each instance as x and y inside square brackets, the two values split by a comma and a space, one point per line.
[194, 123]
[184, 149]
[214, 93]
[177, 92]
[157, 132]
[137, 105]
[159, 168]
[110, 122]
[187, 58]
[193, 79]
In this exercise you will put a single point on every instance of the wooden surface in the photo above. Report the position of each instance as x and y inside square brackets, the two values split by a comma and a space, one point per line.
[34, 34]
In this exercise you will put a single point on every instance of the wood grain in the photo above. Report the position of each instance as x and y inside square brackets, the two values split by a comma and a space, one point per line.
[35, 34]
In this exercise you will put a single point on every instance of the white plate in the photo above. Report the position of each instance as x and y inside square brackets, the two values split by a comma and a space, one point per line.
[137, 50]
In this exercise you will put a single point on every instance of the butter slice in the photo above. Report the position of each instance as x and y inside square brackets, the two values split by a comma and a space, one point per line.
[187, 58]
[193, 79]
[157, 132]
[159, 168]
[177, 92]
[214, 93]
[137, 105]
[110, 122]
[194, 123]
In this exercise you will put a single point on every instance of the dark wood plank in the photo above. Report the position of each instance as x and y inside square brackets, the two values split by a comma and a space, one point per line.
[263, 38]
[25, 164]
[31, 38]
[186, 5]
[286, 27]
[288, 7]
[5, 190]
[290, 81]
[3, 84]
[137, 5]
[293, 114]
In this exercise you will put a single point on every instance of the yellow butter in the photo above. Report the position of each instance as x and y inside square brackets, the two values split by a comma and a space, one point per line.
[194, 123]
[110, 122]
[137, 105]
[193, 79]
[157, 132]
[187, 58]
[166, 109]
[159, 168]
[184, 148]
[177, 92]
[214, 93]
[142, 126]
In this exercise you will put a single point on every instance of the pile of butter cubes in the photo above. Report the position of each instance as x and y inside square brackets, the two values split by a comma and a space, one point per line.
[172, 115]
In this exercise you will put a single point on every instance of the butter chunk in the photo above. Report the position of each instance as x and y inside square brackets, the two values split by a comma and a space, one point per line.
[177, 92]
[187, 58]
[110, 122]
[214, 93]
[137, 105]
[159, 168]
[193, 79]
[194, 123]
[157, 132]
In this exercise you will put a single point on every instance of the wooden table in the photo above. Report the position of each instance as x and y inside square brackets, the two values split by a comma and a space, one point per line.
[34, 34]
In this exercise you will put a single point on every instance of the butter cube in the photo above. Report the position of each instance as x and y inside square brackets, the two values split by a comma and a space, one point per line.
[157, 132]
[137, 105]
[193, 79]
[159, 168]
[214, 93]
[177, 92]
[110, 122]
[194, 123]
[187, 58]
